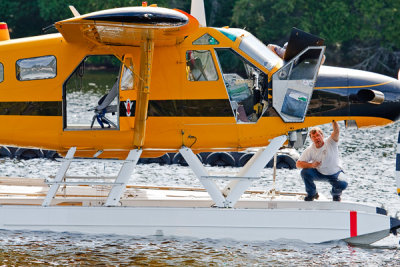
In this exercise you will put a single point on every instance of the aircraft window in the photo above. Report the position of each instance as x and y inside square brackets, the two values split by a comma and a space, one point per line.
[232, 33]
[91, 94]
[200, 66]
[127, 79]
[1, 72]
[37, 68]
[259, 52]
[247, 85]
[206, 39]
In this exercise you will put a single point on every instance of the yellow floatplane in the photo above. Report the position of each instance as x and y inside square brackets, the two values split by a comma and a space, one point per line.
[168, 83]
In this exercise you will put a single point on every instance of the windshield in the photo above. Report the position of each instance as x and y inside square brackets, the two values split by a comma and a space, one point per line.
[253, 47]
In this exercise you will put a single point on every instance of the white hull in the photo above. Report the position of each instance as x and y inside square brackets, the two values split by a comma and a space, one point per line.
[313, 226]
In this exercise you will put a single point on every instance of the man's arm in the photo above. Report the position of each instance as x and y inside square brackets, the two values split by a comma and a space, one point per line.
[335, 132]
[307, 165]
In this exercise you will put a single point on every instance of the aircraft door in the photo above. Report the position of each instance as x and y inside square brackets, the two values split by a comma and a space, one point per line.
[293, 84]
[91, 94]
[246, 85]
[127, 87]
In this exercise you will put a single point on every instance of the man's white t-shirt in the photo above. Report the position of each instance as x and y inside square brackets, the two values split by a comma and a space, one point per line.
[328, 155]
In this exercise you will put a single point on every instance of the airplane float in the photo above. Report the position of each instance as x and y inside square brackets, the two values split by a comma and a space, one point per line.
[174, 84]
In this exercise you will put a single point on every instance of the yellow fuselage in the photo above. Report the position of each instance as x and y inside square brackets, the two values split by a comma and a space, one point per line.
[23, 125]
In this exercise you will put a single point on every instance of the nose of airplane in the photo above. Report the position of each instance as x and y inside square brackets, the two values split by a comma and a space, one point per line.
[355, 93]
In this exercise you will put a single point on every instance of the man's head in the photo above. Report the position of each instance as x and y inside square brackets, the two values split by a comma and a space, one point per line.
[317, 136]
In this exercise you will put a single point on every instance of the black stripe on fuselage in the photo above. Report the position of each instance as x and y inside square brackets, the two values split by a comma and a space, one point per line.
[30, 108]
[332, 102]
[184, 108]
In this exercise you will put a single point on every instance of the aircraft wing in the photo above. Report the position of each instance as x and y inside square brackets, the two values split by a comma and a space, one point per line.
[128, 26]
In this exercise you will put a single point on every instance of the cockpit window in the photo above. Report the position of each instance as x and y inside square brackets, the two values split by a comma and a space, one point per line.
[252, 47]
[258, 51]
[247, 86]
[1, 72]
[200, 66]
[206, 39]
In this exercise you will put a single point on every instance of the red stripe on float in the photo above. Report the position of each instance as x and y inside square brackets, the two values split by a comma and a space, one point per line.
[3, 26]
[353, 223]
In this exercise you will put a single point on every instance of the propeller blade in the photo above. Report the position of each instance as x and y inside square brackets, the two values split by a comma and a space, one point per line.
[197, 10]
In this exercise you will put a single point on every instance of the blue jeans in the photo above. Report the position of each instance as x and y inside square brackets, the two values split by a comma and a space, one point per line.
[311, 175]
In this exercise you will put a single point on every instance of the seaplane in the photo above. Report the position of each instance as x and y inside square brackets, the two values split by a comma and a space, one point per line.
[124, 83]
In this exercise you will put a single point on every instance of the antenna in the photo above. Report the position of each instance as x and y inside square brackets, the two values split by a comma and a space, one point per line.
[74, 11]
[197, 10]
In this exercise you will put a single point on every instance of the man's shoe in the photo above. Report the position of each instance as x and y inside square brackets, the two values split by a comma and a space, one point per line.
[311, 198]
[336, 198]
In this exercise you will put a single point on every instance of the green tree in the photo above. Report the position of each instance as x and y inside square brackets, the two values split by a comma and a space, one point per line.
[359, 33]
[22, 17]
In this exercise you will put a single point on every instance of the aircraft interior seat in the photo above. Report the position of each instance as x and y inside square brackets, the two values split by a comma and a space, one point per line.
[104, 107]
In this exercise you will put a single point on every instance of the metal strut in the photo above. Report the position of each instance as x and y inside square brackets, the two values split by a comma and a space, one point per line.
[118, 186]
[240, 183]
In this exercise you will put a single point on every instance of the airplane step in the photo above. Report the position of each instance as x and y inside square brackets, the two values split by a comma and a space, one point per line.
[92, 160]
[83, 183]
[230, 177]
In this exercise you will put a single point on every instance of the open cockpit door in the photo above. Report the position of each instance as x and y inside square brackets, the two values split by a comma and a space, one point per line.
[293, 84]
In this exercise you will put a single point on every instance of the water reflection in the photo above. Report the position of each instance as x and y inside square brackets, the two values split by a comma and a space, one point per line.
[44, 248]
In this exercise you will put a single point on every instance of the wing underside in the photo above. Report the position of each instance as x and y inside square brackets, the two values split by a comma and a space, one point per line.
[129, 26]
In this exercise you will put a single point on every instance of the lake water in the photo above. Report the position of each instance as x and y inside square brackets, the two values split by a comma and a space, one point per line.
[368, 158]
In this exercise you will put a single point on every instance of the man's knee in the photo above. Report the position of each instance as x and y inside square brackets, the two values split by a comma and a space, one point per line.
[343, 185]
[306, 173]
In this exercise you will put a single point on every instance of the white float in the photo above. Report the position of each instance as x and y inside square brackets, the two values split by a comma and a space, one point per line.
[79, 204]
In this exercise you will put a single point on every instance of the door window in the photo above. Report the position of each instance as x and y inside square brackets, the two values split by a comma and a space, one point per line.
[293, 84]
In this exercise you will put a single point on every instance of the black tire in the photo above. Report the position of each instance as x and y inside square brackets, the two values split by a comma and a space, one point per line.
[244, 159]
[5, 152]
[28, 153]
[285, 162]
[51, 154]
[220, 159]
[282, 162]
[178, 159]
[163, 160]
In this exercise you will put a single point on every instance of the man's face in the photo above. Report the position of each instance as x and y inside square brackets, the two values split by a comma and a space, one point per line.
[317, 138]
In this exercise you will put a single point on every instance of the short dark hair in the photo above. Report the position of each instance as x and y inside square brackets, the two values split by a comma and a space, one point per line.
[314, 130]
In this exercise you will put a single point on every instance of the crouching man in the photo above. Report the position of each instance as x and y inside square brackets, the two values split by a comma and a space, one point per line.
[320, 162]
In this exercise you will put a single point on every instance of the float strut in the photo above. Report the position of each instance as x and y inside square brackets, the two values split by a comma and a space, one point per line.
[241, 181]
[253, 167]
[201, 173]
[123, 177]
[59, 177]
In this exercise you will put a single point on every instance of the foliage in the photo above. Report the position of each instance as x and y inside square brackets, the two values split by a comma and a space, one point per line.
[358, 33]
